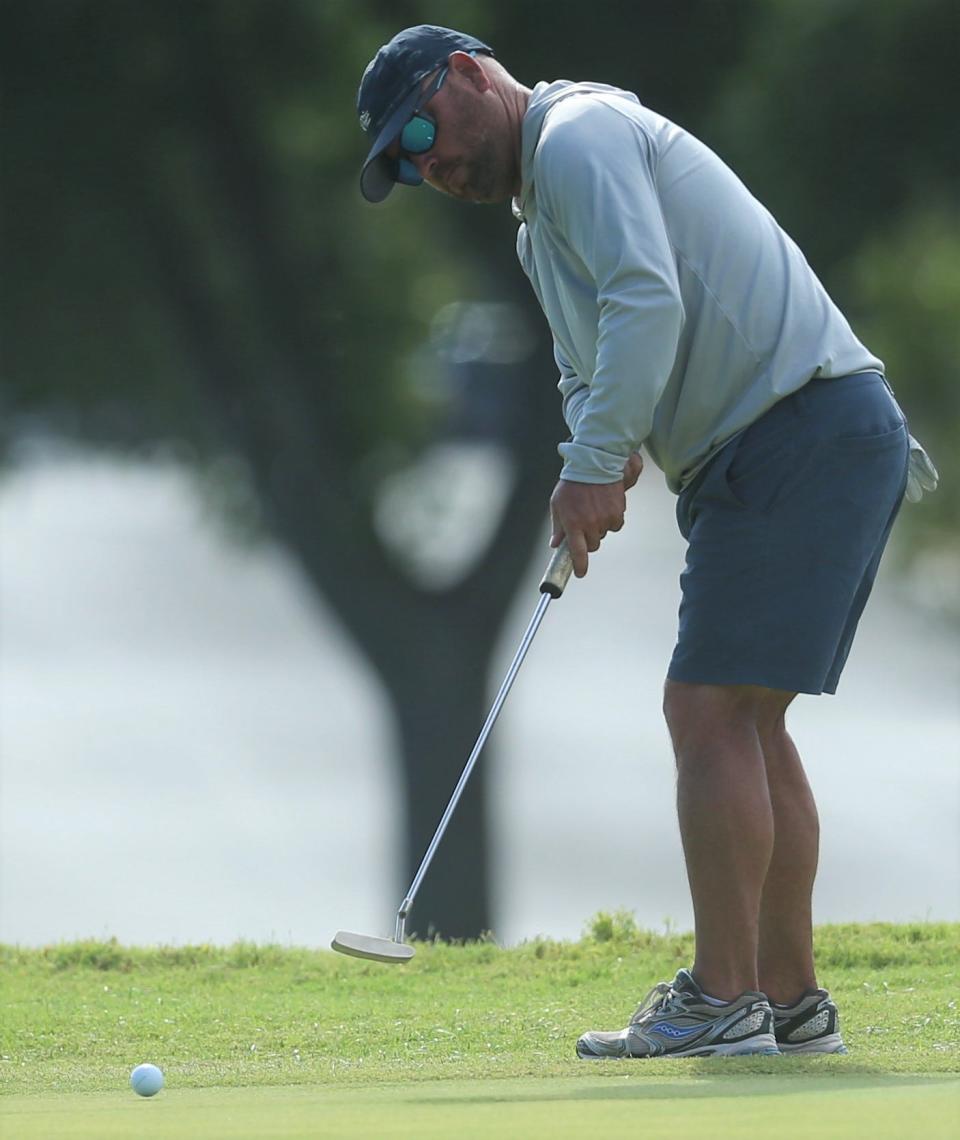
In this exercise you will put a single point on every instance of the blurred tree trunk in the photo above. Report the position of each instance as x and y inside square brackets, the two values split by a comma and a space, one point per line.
[275, 384]
[439, 709]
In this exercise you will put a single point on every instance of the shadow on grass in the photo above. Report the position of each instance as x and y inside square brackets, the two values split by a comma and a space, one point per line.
[700, 1080]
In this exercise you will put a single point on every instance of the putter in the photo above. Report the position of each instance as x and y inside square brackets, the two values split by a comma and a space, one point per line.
[394, 949]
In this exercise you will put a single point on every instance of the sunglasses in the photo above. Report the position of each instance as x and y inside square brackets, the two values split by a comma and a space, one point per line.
[418, 135]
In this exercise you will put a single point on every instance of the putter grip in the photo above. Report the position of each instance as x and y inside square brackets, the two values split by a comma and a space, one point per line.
[558, 573]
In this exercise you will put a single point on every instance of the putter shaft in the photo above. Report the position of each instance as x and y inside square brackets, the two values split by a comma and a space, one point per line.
[551, 586]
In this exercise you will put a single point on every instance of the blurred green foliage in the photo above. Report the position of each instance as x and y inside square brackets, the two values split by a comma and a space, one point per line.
[838, 113]
[907, 281]
[234, 118]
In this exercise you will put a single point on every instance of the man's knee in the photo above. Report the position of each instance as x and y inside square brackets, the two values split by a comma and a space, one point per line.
[705, 713]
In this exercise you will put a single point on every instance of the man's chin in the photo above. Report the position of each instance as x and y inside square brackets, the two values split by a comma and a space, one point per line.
[481, 193]
[487, 196]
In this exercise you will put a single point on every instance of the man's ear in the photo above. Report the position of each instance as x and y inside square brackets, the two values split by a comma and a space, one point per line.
[469, 68]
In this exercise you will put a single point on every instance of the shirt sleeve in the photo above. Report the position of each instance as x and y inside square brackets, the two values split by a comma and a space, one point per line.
[597, 182]
[573, 390]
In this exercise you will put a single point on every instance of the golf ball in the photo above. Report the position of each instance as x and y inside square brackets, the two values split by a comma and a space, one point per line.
[146, 1080]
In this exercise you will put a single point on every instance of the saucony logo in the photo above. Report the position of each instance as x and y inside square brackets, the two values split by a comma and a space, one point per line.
[674, 1032]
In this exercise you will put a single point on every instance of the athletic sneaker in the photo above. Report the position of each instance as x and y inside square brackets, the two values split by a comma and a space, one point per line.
[810, 1025]
[675, 1020]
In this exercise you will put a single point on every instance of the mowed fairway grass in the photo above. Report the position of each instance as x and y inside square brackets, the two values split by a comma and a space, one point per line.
[259, 1042]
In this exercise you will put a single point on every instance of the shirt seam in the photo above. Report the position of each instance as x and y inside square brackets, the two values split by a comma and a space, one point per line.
[721, 308]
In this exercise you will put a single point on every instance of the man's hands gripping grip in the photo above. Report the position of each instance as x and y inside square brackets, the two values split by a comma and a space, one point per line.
[584, 513]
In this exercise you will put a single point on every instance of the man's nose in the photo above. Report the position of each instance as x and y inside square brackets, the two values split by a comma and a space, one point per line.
[426, 165]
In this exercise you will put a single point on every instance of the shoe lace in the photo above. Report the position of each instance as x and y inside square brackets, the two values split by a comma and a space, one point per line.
[660, 998]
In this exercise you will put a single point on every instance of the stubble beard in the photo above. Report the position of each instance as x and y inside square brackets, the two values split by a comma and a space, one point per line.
[486, 180]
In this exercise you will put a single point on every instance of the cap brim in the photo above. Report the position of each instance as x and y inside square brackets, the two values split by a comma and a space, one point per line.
[376, 177]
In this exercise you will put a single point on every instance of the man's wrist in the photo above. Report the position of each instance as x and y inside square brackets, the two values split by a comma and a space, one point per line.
[583, 464]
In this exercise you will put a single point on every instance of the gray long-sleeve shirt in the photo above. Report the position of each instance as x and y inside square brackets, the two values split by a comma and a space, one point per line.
[680, 310]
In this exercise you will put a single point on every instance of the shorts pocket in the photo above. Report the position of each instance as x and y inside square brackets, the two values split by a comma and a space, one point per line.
[876, 441]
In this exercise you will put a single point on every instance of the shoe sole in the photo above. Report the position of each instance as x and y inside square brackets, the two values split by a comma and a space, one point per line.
[832, 1044]
[763, 1045]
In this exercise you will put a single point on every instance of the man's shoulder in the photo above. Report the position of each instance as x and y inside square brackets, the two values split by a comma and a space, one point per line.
[586, 122]
[585, 107]
[582, 137]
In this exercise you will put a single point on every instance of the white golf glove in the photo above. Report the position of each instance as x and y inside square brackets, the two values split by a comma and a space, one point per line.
[921, 473]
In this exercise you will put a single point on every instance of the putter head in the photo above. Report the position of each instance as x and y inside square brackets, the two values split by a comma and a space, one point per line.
[376, 949]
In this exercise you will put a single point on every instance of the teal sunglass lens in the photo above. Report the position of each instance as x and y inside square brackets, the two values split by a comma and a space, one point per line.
[407, 173]
[418, 135]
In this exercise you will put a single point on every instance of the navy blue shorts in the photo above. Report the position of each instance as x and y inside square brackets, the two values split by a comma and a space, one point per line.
[786, 525]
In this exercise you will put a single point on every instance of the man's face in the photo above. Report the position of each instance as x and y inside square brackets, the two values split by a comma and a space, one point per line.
[472, 154]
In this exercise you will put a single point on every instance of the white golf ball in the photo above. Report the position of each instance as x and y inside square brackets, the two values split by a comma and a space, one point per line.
[146, 1080]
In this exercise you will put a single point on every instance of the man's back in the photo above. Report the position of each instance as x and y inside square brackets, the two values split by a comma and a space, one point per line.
[654, 263]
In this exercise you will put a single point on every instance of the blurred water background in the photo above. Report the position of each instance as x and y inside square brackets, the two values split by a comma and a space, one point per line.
[192, 749]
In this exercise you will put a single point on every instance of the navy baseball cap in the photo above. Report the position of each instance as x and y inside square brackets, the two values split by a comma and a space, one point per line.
[389, 91]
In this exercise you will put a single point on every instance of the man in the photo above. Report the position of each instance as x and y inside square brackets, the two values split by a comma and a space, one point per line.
[685, 319]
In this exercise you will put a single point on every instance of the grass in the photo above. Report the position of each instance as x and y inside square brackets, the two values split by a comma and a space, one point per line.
[262, 1041]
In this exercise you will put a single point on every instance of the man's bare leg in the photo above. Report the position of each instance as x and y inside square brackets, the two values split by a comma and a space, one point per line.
[785, 951]
[726, 821]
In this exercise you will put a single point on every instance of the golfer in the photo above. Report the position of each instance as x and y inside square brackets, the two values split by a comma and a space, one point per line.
[685, 320]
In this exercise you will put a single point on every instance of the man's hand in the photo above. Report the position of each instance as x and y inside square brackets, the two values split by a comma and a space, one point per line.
[584, 512]
[632, 469]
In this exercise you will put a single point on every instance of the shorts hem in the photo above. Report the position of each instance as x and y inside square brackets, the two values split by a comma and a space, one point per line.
[763, 680]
